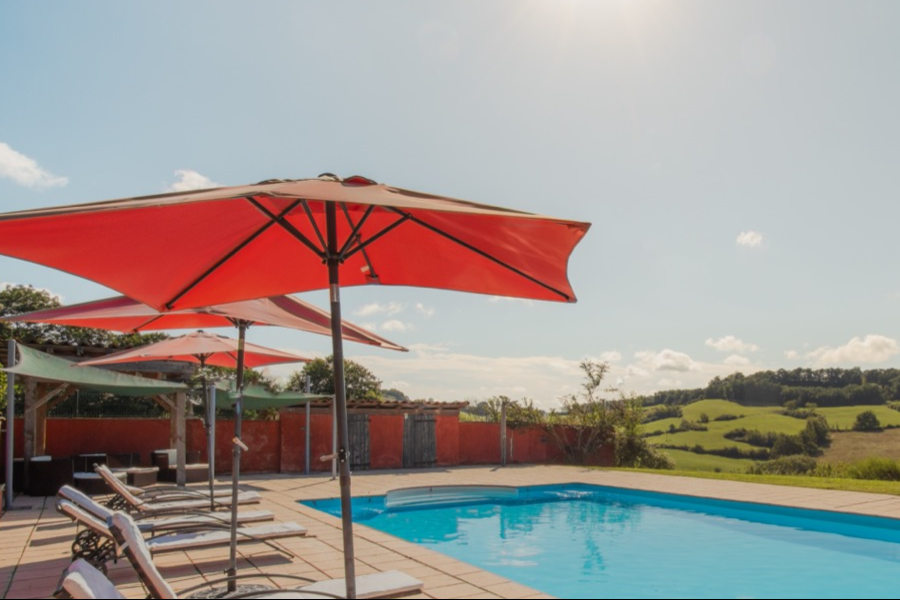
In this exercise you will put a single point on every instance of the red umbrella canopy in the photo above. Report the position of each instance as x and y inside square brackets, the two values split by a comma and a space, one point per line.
[270, 239]
[216, 350]
[127, 315]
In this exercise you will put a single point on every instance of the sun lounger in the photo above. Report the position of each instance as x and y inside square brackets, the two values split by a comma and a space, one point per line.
[390, 584]
[154, 524]
[126, 500]
[82, 581]
[96, 543]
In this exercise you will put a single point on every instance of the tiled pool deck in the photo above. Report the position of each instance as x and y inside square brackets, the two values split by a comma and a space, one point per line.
[35, 539]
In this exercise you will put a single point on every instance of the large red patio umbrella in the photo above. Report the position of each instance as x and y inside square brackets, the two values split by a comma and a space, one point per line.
[281, 236]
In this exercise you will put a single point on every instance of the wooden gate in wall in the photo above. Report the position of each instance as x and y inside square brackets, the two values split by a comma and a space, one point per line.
[419, 442]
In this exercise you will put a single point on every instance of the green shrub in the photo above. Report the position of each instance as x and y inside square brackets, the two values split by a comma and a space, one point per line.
[787, 445]
[880, 469]
[728, 417]
[867, 421]
[789, 465]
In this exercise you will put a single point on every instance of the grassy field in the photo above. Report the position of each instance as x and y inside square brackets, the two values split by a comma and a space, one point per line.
[819, 483]
[690, 461]
[845, 416]
[847, 447]
[851, 446]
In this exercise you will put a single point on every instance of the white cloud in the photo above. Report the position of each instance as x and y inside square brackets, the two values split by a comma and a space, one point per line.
[871, 349]
[610, 357]
[736, 360]
[792, 355]
[426, 311]
[390, 309]
[25, 171]
[395, 325]
[667, 360]
[191, 180]
[750, 239]
[730, 343]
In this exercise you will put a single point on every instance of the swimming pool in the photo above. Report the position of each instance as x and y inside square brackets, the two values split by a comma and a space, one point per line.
[580, 541]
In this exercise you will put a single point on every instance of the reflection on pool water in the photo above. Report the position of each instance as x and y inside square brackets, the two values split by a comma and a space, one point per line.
[579, 541]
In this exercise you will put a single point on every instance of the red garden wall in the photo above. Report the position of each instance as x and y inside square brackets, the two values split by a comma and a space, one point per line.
[279, 446]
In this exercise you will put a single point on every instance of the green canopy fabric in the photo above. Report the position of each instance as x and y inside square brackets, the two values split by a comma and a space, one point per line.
[40, 365]
[259, 398]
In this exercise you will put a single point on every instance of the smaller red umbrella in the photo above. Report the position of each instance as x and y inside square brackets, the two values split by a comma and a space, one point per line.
[126, 315]
[206, 349]
[201, 348]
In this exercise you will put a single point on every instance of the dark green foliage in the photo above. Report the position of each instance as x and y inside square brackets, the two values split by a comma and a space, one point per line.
[817, 432]
[704, 418]
[787, 445]
[789, 465]
[361, 383]
[867, 421]
[20, 299]
[731, 452]
[663, 411]
[800, 387]
[728, 417]
[753, 437]
[675, 397]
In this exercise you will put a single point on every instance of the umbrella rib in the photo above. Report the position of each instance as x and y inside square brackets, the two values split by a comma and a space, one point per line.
[233, 251]
[290, 228]
[356, 237]
[482, 253]
[356, 228]
[362, 245]
[145, 323]
[312, 222]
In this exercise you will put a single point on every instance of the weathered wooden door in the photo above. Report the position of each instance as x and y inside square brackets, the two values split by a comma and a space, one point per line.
[359, 442]
[419, 442]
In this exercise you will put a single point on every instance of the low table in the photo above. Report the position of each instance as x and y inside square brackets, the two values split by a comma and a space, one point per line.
[142, 476]
[92, 484]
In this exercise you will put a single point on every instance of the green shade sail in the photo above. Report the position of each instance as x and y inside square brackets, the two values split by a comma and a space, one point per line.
[40, 365]
[259, 398]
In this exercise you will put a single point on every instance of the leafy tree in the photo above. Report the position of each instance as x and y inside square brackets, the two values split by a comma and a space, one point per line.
[787, 445]
[361, 383]
[867, 421]
[20, 299]
[584, 424]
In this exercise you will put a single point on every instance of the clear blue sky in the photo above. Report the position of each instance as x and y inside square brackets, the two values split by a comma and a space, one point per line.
[738, 160]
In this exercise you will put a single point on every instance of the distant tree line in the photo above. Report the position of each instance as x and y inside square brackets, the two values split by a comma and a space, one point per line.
[822, 387]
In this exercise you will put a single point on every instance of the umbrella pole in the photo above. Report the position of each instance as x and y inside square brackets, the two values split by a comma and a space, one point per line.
[236, 458]
[10, 421]
[340, 397]
[209, 391]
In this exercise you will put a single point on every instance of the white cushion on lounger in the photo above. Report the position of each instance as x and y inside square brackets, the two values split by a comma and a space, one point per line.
[84, 582]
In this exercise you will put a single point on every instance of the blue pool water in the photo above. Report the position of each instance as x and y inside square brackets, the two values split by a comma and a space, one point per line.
[579, 541]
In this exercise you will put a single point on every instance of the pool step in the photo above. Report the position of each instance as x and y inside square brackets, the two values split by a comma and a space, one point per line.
[450, 494]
